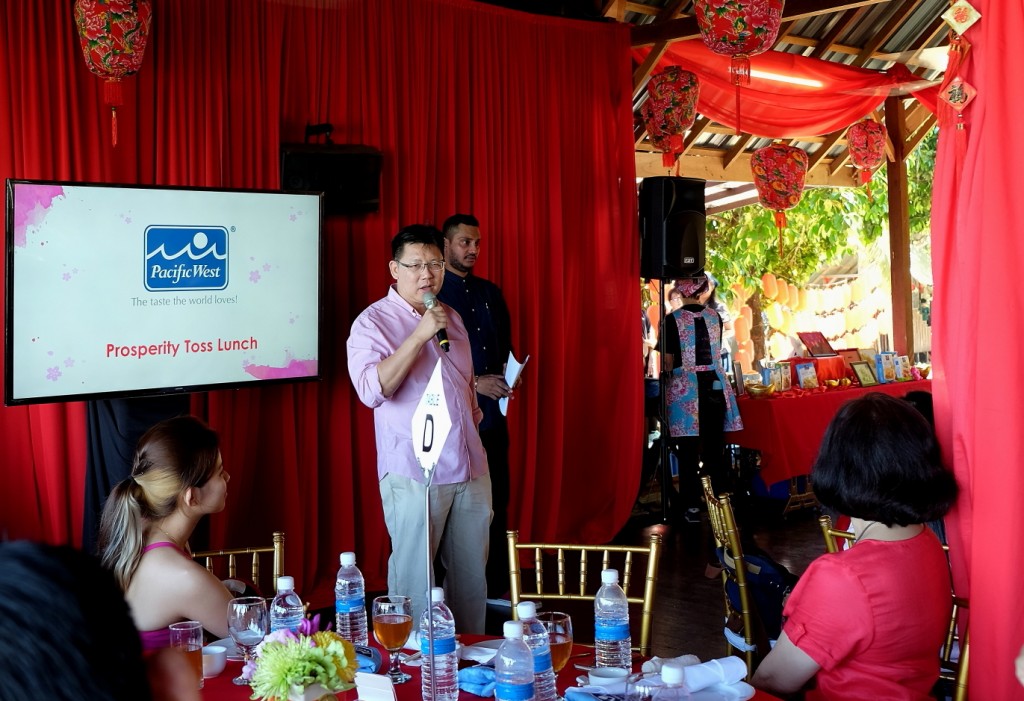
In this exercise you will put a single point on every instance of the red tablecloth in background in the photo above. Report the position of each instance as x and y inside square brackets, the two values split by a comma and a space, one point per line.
[220, 688]
[788, 430]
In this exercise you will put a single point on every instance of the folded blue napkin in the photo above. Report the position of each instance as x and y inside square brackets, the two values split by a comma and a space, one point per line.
[366, 663]
[479, 680]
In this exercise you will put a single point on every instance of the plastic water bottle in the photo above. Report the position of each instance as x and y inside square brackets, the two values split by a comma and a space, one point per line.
[286, 610]
[513, 666]
[611, 623]
[445, 661]
[671, 687]
[350, 602]
[535, 635]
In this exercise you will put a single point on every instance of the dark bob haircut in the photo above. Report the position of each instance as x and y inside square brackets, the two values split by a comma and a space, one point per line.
[880, 461]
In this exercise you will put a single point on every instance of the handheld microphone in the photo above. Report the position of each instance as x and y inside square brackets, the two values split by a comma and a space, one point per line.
[430, 301]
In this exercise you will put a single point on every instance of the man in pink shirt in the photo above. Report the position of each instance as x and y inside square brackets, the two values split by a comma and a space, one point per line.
[392, 351]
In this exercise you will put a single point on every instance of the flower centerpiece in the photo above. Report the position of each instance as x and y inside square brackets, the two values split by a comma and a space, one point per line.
[308, 665]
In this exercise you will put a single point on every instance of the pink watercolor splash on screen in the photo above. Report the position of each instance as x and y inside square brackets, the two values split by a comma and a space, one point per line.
[295, 368]
[30, 208]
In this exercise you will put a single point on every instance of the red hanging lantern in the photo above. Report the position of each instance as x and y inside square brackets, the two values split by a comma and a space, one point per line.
[866, 141]
[779, 173]
[741, 29]
[113, 35]
[670, 110]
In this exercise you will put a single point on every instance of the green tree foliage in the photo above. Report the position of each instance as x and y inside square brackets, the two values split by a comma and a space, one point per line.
[743, 243]
[829, 223]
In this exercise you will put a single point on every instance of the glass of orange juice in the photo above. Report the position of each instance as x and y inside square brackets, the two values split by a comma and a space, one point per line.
[187, 636]
[559, 627]
[392, 624]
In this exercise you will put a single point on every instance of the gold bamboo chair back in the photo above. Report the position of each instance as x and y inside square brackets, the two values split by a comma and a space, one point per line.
[955, 653]
[214, 560]
[833, 536]
[573, 585]
[727, 537]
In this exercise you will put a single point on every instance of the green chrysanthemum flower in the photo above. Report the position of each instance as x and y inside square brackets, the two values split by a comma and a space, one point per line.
[285, 665]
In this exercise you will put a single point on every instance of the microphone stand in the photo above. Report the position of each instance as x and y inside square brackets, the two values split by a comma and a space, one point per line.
[663, 457]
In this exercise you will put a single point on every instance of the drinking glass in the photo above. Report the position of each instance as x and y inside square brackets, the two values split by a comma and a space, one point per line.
[392, 623]
[559, 627]
[248, 622]
[187, 636]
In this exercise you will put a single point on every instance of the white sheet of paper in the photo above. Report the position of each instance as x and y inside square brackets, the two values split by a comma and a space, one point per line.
[512, 371]
[375, 687]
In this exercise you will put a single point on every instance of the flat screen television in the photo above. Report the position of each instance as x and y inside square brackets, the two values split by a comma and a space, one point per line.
[119, 290]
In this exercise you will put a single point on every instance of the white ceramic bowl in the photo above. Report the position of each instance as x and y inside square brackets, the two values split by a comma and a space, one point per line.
[606, 676]
[215, 657]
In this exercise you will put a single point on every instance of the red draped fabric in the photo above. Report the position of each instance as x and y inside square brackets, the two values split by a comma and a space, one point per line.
[524, 121]
[835, 97]
[976, 258]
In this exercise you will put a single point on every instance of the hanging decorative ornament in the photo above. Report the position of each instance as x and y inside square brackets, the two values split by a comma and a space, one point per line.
[961, 16]
[866, 141]
[779, 173]
[741, 29]
[670, 110]
[113, 35]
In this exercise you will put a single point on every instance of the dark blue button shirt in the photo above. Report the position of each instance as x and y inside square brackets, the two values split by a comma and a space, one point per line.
[483, 310]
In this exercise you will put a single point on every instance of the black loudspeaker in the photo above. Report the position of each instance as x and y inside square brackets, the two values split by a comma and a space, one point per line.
[672, 225]
[349, 176]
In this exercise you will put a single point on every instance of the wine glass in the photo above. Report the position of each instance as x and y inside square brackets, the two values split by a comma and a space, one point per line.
[392, 623]
[248, 621]
[559, 627]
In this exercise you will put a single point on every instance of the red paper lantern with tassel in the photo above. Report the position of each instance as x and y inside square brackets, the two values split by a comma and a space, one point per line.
[779, 171]
[113, 34]
[670, 110]
[866, 140]
[741, 29]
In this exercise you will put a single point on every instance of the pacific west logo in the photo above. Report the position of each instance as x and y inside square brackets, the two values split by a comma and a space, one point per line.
[186, 258]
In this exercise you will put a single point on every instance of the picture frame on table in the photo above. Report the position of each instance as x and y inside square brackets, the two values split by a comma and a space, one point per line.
[785, 376]
[865, 373]
[806, 376]
[737, 380]
[850, 356]
[816, 343]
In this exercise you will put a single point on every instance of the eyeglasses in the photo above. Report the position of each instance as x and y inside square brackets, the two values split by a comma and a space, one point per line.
[417, 268]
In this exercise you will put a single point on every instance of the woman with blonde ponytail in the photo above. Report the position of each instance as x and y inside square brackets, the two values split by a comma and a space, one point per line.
[177, 478]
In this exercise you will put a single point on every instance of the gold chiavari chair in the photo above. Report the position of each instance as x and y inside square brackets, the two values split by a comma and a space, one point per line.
[734, 570]
[572, 562]
[212, 560]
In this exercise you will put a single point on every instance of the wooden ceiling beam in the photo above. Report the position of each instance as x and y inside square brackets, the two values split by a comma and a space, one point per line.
[915, 139]
[707, 164]
[686, 27]
[736, 151]
[885, 33]
[642, 9]
[616, 9]
[818, 157]
[699, 127]
[835, 167]
[643, 71]
[845, 21]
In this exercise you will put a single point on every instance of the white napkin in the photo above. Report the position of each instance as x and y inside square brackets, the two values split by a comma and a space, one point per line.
[615, 688]
[727, 670]
[653, 665]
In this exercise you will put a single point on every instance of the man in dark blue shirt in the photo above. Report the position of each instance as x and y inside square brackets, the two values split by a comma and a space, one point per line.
[483, 310]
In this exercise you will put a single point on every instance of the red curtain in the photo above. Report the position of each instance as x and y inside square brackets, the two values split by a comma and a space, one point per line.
[837, 97]
[524, 121]
[976, 255]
